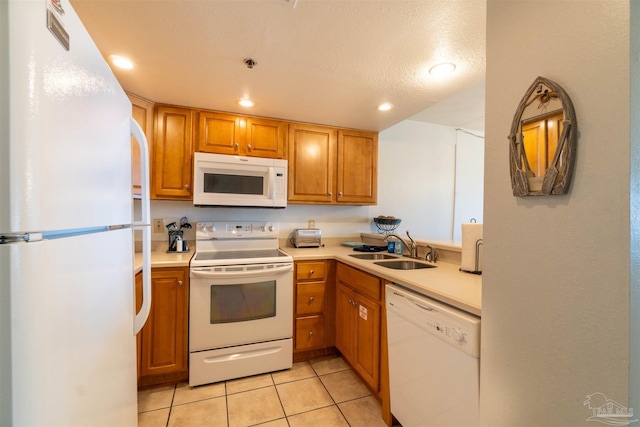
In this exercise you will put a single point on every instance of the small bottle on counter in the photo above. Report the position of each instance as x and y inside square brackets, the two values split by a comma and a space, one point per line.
[178, 244]
[398, 248]
[391, 246]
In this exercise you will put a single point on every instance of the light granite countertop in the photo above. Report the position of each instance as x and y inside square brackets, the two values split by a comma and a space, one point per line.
[160, 257]
[445, 283]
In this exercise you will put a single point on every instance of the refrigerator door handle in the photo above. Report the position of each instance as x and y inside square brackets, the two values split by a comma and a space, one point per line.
[144, 225]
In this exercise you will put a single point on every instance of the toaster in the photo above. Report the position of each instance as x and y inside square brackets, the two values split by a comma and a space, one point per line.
[307, 238]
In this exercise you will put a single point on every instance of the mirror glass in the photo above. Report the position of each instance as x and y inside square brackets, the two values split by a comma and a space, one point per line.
[542, 141]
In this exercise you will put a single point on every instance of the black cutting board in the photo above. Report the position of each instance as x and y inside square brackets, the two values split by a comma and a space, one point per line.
[367, 248]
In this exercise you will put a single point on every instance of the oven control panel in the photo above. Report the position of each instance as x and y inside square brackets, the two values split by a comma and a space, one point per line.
[236, 230]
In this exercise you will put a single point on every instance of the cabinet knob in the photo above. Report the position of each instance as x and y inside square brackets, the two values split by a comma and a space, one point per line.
[249, 147]
[330, 193]
[311, 298]
[236, 146]
[310, 333]
[186, 186]
[311, 272]
[179, 282]
[340, 194]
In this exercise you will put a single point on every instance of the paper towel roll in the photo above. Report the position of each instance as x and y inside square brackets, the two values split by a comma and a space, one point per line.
[471, 234]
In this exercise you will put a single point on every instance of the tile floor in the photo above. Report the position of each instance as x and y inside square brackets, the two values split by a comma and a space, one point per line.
[323, 392]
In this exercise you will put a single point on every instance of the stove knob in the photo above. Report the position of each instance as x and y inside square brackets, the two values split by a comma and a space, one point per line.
[271, 228]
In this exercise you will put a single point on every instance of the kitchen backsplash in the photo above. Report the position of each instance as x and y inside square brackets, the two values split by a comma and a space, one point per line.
[334, 221]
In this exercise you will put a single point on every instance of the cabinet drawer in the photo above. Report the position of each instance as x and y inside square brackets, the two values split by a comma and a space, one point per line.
[360, 281]
[309, 332]
[312, 270]
[310, 298]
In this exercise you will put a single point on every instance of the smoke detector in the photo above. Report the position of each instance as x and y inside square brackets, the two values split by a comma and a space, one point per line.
[250, 63]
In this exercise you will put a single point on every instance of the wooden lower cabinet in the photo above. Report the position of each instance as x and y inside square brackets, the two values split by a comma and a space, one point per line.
[314, 309]
[358, 333]
[361, 333]
[164, 337]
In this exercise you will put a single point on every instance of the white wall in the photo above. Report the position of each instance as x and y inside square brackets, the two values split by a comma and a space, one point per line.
[423, 169]
[556, 269]
[334, 221]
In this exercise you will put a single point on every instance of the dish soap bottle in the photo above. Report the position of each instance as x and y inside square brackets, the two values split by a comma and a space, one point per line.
[398, 248]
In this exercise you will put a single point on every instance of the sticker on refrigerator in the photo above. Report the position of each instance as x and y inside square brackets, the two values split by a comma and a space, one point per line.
[55, 25]
[363, 312]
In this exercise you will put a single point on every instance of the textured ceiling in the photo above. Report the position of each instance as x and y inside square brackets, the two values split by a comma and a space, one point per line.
[319, 61]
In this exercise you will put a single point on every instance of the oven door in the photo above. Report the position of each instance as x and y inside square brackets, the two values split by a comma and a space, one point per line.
[240, 304]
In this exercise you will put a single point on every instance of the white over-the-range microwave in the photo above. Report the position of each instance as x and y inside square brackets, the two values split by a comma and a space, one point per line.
[227, 180]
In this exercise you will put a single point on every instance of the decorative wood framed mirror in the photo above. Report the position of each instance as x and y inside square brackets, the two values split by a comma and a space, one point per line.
[542, 142]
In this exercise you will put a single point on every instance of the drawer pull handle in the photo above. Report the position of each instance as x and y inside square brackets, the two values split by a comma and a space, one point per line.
[311, 299]
[311, 272]
[310, 333]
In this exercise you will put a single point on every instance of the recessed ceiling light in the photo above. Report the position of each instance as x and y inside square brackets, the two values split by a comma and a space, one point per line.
[246, 102]
[385, 107]
[121, 62]
[442, 69]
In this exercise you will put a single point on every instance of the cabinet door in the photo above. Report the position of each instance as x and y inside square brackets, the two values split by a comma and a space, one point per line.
[265, 138]
[345, 318]
[357, 176]
[164, 336]
[367, 340]
[142, 112]
[220, 133]
[172, 154]
[312, 159]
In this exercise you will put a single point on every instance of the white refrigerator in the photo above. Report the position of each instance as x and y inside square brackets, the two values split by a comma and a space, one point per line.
[67, 313]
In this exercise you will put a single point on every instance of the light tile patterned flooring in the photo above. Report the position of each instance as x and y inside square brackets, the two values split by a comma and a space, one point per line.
[323, 392]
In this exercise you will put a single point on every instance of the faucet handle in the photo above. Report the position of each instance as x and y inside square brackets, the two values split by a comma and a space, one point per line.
[432, 255]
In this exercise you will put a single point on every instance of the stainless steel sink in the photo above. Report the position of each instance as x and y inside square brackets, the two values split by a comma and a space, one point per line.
[376, 255]
[404, 264]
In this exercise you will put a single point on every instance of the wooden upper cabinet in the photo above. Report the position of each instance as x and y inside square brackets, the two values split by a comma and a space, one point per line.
[172, 154]
[142, 112]
[330, 166]
[240, 135]
[266, 138]
[312, 154]
[357, 177]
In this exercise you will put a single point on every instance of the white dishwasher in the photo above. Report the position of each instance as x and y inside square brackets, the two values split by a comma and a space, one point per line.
[434, 361]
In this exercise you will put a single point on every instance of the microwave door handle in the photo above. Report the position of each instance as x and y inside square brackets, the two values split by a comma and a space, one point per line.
[272, 182]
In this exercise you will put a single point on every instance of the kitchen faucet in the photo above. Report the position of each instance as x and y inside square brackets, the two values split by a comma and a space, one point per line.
[413, 247]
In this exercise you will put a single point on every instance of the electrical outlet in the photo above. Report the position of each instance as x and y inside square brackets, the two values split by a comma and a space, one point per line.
[312, 223]
[158, 225]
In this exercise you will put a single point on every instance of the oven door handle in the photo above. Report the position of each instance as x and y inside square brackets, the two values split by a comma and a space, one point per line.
[206, 272]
